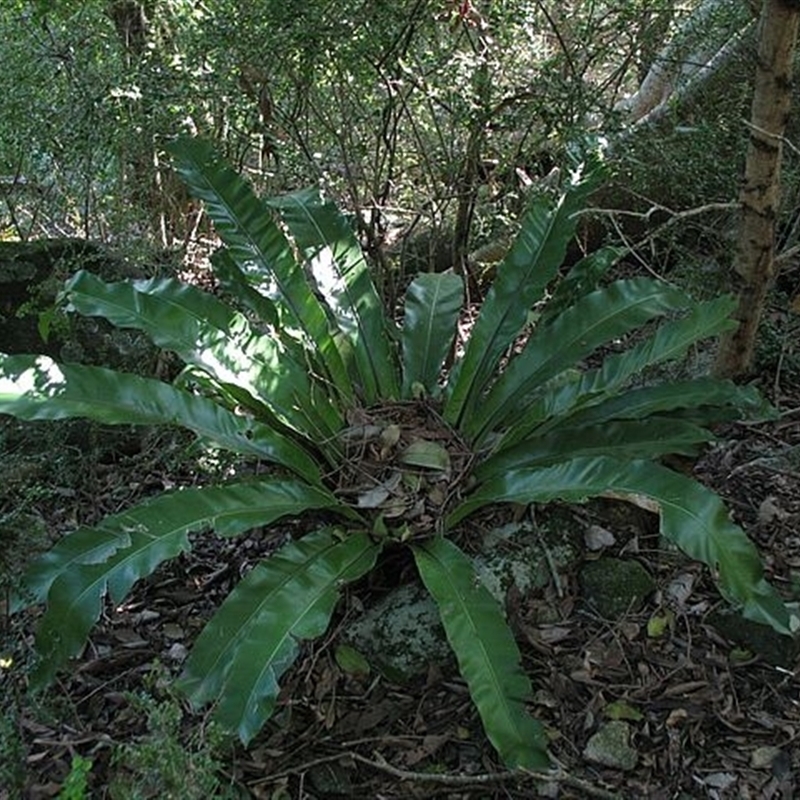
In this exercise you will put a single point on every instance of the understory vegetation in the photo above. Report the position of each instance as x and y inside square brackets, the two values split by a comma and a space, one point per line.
[346, 283]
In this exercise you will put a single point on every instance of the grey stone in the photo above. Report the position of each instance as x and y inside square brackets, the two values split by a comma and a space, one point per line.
[610, 746]
[31, 276]
[521, 556]
[402, 635]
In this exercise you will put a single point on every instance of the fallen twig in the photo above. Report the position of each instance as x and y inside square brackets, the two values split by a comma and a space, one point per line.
[558, 775]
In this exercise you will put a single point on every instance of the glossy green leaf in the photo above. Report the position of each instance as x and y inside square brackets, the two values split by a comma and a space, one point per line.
[257, 301]
[555, 400]
[522, 277]
[342, 277]
[433, 303]
[488, 657]
[86, 565]
[692, 517]
[235, 282]
[688, 395]
[37, 388]
[255, 635]
[623, 439]
[208, 334]
[594, 320]
[258, 246]
[582, 278]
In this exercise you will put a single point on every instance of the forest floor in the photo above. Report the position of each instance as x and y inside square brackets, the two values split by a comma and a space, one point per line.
[711, 711]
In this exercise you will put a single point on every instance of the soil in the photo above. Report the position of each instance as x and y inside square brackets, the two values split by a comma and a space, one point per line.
[709, 716]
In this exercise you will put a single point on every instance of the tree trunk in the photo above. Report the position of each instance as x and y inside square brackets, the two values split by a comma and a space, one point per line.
[699, 47]
[754, 261]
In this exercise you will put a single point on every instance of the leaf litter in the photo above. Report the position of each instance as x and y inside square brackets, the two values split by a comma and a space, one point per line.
[709, 715]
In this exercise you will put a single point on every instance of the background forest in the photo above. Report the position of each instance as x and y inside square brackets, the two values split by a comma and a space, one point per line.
[431, 120]
[433, 125]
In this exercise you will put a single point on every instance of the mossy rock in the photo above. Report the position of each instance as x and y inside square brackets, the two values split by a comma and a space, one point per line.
[32, 274]
[615, 586]
[401, 635]
[610, 746]
[37, 269]
[522, 556]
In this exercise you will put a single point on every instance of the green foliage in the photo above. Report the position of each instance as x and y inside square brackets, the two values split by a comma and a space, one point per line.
[368, 425]
[165, 763]
[418, 97]
[12, 749]
[487, 654]
[76, 783]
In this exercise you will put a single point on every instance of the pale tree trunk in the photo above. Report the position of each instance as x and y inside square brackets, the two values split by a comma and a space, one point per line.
[702, 47]
[703, 44]
[754, 261]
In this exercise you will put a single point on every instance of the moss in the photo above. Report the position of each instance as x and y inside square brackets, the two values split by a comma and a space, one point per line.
[615, 586]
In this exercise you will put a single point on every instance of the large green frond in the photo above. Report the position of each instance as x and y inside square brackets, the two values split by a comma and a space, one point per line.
[256, 243]
[433, 303]
[647, 422]
[342, 276]
[623, 439]
[592, 321]
[688, 395]
[208, 334]
[692, 517]
[555, 400]
[85, 566]
[256, 633]
[234, 281]
[37, 388]
[583, 277]
[488, 657]
[522, 277]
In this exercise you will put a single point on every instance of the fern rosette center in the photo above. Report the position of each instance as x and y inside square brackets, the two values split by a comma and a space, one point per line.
[403, 466]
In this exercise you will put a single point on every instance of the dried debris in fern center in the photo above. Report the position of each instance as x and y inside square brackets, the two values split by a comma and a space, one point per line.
[404, 466]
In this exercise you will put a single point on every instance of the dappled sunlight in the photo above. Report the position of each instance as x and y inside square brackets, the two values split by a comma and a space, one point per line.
[324, 269]
[44, 378]
[257, 364]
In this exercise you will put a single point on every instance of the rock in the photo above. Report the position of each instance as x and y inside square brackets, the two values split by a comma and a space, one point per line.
[177, 652]
[514, 556]
[615, 586]
[763, 757]
[402, 635]
[610, 746]
[31, 276]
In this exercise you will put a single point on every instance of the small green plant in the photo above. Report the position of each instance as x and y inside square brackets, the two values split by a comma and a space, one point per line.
[365, 421]
[12, 748]
[77, 782]
[162, 765]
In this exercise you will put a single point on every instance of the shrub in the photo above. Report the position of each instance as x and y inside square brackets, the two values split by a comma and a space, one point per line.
[366, 422]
